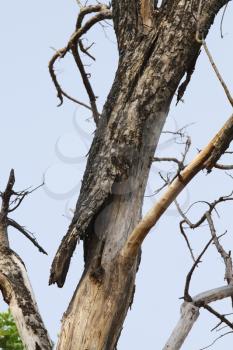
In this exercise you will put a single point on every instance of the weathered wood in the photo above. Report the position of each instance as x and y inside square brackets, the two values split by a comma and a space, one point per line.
[152, 62]
[189, 315]
[213, 151]
[14, 282]
[190, 312]
[18, 294]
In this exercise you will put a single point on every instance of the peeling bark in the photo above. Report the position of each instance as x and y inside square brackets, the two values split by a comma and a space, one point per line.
[151, 66]
[14, 282]
[18, 294]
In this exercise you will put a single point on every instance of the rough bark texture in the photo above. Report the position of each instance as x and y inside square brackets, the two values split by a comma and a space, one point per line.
[18, 294]
[156, 49]
[14, 283]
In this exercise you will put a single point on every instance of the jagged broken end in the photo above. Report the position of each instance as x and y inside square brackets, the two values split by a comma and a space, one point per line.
[61, 262]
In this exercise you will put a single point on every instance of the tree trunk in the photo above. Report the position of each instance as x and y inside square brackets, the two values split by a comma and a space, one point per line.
[14, 283]
[156, 48]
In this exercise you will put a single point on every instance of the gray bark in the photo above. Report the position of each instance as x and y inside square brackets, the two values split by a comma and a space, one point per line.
[156, 49]
[18, 294]
[14, 283]
[190, 313]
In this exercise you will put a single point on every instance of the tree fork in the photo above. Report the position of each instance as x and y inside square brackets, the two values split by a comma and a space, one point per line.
[151, 65]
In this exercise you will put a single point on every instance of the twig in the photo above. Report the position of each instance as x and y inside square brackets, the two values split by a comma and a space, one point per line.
[219, 324]
[206, 158]
[200, 39]
[169, 159]
[225, 256]
[187, 241]
[86, 82]
[223, 166]
[60, 91]
[5, 221]
[20, 197]
[221, 336]
[187, 296]
[26, 233]
[6, 195]
[224, 85]
[212, 207]
[223, 15]
[218, 315]
[103, 13]
[85, 49]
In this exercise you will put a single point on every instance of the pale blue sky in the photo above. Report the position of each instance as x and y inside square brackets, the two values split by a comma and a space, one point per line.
[40, 139]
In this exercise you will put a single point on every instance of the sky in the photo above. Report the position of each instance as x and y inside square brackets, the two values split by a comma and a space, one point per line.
[40, 140]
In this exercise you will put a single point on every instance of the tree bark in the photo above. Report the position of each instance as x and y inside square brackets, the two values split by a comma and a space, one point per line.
[18, 294]
[156, 49]
[190, 313]
[14, 283]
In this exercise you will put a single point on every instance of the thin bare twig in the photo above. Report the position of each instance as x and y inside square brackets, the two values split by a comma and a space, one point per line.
[187, 296]
[225, 256]
[6, 208]
[20, 196]
[224, 85]
[223, 15]
[205, 159]
[200, 39]
[186, 240]
[221, 336]
[86, 82]
[223, 166]
[27, 234]
[85, 49]
[212, 207]
[103, 12]
[222, 318]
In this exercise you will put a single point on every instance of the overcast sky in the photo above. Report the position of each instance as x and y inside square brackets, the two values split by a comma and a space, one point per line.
[39, 139]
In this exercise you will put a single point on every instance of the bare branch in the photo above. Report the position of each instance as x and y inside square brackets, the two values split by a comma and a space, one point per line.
[85, 49]
[20, 196]
[221, 336]
[224, 85]
[103, 13]
[26, 233]
[226, 256]
[187, 296]
[205, 159]
[187, 241]
[87, 10]
[17, 293]
[223, 166]
[200, 39]
[169, 159]
[222, 318]
[6, 195]
[86, 82]
[223, 15]
[60, 91]
[190, 313]
[14, 282]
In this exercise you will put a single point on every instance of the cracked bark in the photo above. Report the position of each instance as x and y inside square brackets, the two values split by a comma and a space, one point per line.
[15, 285]
[156, 49]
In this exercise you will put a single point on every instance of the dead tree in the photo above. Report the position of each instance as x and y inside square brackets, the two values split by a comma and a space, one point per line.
[14, 283]
[157, 46]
